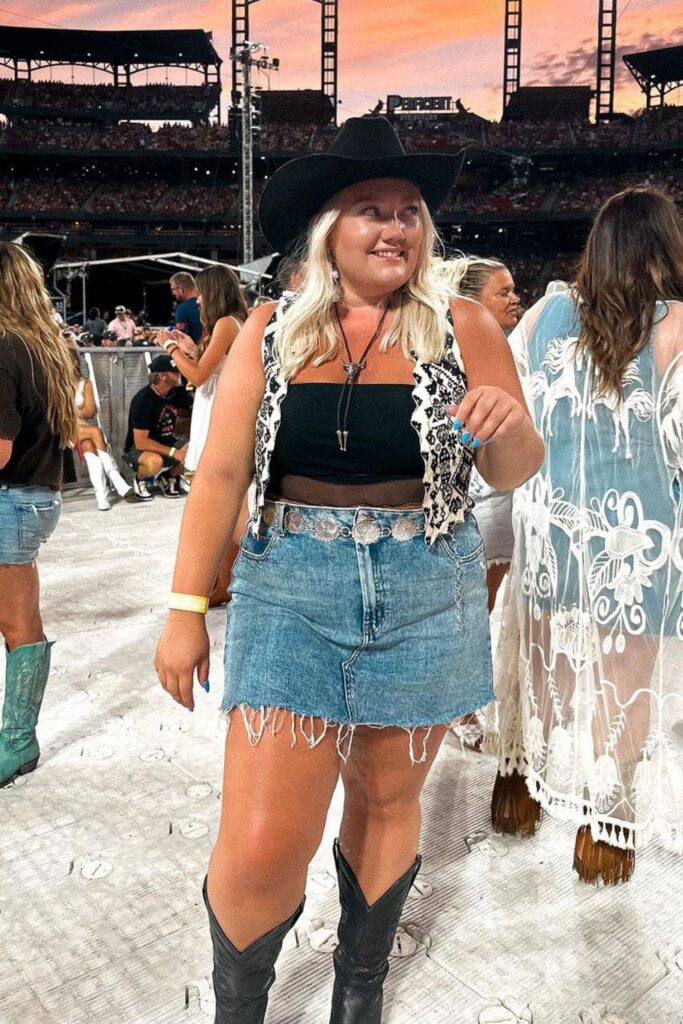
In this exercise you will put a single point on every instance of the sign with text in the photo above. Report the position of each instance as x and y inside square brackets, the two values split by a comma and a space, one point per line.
[410, 104]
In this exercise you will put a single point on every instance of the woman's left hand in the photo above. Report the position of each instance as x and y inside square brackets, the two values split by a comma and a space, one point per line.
[161, 337]
[487, 414]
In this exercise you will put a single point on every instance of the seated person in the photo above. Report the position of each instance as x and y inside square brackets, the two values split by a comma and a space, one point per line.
[152, 448]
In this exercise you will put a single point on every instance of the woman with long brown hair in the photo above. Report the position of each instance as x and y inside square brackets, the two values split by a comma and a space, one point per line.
[590, 664]
[223, 310]
[37, 421]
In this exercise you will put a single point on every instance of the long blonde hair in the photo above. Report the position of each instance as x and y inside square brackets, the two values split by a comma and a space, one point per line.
[26, 311]
[307, 329]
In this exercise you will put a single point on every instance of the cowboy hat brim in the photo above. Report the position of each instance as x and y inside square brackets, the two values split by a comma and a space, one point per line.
[301, 187]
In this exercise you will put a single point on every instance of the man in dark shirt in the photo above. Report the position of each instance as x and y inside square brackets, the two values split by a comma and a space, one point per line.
[186, 314]
[152, 448]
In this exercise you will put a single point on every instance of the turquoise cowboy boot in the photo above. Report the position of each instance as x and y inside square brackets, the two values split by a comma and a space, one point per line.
[26, 674]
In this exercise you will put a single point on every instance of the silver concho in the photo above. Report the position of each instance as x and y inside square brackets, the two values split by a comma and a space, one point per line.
[326, 529]
[366, 531]
[405, 528]
[295, 522]
[269, 515]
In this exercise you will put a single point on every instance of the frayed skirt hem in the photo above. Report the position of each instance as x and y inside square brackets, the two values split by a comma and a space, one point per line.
[312, 729]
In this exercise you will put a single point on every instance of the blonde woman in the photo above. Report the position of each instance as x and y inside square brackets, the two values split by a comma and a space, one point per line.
[360, 583]
[223, 310]
[101, 466]
[37, 421]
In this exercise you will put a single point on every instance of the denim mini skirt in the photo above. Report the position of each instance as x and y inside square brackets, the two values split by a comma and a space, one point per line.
[348, 617]
[28, 515]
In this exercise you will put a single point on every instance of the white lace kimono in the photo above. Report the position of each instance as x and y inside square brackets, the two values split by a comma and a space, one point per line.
[589, 667]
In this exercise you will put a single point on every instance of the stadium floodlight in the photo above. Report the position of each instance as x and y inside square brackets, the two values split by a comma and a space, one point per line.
[249, 56]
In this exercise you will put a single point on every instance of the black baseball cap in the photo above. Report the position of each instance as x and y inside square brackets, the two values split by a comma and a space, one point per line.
[163, 364]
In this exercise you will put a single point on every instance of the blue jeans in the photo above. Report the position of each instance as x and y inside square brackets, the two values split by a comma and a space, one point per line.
[349, 616]
[28, 516]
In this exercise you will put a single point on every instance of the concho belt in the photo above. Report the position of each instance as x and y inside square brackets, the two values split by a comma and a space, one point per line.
[365, 530]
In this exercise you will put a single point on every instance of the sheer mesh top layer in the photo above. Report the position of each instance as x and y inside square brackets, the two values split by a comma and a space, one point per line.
[382, 465]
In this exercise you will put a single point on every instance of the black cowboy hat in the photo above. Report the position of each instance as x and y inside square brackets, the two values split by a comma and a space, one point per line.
[365, 148]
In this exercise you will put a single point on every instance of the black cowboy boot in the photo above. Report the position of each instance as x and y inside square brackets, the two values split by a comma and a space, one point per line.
[366, 935]
[241, 980]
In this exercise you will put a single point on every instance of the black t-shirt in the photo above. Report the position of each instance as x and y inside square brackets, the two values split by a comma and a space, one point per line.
[36, 458]
[149, 411]
[96, 329]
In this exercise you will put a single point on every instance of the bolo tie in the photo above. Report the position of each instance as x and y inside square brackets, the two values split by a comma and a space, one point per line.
[353, 371]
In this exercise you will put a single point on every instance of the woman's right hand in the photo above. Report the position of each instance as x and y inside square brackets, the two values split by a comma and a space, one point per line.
[185, 344]
[183, 649]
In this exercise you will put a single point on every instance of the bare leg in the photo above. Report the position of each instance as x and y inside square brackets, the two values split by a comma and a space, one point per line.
[20, 621]
[275, 802]
[380, 829]
[149, 465]
[495, 574]
[91, 438]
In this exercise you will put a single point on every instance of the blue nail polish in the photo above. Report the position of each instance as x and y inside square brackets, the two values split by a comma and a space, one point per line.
[465, 436]
[207, 685]
[456, 424]
[476, 442]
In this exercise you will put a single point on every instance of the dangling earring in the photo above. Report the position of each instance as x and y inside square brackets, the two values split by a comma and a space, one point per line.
[334, 273]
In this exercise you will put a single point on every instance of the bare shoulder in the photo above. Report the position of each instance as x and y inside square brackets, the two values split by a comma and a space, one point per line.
[250, 338]
[468, 313]
[484, 348]
[476, 331]
[668, 336]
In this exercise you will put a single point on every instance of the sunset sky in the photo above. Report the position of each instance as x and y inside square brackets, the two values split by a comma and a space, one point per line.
[409, 47]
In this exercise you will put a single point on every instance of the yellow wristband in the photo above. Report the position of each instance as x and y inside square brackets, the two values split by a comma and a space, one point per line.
[189, 603]
[171, 452]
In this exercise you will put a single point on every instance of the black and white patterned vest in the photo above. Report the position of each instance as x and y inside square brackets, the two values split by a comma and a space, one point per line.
[448, 463]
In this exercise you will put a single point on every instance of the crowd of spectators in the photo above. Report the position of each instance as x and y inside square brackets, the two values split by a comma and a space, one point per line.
[662, 124]
[587, 194]
[100, 101]
[198, 200]
[599, 136]
[144, 194]
[50, 194]
[285, 137]
[127, 197]
[454, 134]
[550, 134]
[510, 197]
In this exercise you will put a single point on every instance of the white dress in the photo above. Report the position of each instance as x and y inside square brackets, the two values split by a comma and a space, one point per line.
[589, 667]
[201, 413]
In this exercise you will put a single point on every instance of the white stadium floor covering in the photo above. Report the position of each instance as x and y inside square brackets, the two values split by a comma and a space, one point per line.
[104, 847]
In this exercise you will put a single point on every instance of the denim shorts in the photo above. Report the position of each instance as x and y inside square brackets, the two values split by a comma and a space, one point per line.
[28, 515]
[347, 615]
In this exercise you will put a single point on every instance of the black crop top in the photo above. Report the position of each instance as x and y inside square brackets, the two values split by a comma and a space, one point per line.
[382, 443]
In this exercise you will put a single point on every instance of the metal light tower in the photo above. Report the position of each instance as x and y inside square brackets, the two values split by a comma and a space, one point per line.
[607, 54]
[513, 49]
[240, 34]
[247, 58]
[328, 51]
[328, 46]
